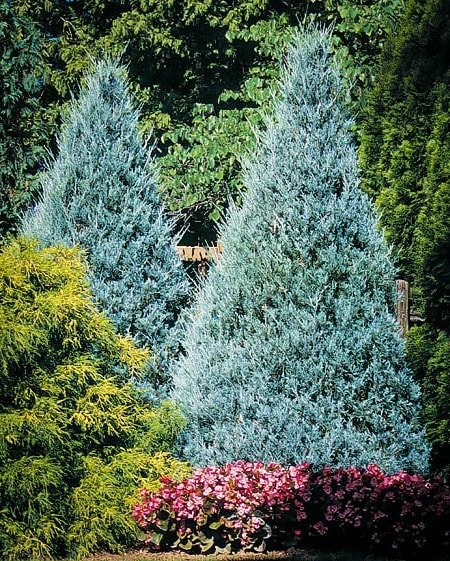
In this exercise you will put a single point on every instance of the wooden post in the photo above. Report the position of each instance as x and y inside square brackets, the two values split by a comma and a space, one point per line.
[402, 307]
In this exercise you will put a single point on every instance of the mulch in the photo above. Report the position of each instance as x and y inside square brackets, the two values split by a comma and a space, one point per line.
[290, 555]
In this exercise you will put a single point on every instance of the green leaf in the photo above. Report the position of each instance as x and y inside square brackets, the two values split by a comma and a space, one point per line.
[191, 199]
[186, 545]
[259, 546]
[156, 538]
[215, 215]
[163, 524]
[223, 549]
[207, 545]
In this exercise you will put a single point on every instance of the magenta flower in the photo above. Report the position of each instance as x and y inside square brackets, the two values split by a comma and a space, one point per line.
[247, 504]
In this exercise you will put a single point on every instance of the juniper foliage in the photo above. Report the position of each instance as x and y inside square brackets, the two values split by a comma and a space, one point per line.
[291, 350]
[99, 193]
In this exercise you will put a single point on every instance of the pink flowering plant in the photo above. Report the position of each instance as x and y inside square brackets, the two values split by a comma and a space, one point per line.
[253, 506]
[399, 512]
[224, 509]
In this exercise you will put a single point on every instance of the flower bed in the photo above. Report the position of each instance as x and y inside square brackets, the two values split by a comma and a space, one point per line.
[254, 506]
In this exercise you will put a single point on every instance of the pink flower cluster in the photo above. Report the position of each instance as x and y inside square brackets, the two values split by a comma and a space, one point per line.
[236, 499]
[402, 512]
[252, 506]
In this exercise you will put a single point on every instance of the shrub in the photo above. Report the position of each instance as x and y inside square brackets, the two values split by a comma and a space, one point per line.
[251, 506]
[405, 155]
[223, 509]
[399, 512]
[405, 151]
[76, 439]
[103, 500]
[429, 355]
[292, 351]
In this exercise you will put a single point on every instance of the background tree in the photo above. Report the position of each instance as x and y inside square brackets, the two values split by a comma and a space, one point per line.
[100, 193]
[22, 132]
[200, 70]
[429, 356]
[76, 439]
[291, 352]
[405, 153]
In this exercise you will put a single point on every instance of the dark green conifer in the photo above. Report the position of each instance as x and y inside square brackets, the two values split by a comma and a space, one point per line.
[405, 156]
[21, 134]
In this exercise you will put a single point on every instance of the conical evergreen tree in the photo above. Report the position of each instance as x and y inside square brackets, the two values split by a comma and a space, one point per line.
[405, 157]
[76, 438]
[404, 151]
[292, 352]
[100, 193]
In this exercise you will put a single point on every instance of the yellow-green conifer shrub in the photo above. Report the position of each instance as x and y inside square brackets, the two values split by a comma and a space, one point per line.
[76, 438]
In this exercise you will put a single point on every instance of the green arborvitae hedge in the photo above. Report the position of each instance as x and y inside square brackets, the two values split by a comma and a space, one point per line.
[429, 355]
[405, 155]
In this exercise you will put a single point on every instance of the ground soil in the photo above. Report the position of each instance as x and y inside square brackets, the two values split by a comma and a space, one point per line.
[294, 555]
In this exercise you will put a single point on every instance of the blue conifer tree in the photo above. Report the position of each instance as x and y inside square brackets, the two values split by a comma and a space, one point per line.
[99, 193]
[291, 350]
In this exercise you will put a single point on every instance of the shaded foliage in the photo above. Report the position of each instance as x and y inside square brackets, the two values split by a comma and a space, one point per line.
[429, 355]
[201, 58]
[405, 156]
[22, 131]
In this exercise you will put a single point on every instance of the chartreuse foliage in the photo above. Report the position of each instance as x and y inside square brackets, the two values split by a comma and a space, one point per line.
[103, 518]
[291, 351]
[21, 132]
[405, 156]
[100, 193]
[76, 439]
[200, 69]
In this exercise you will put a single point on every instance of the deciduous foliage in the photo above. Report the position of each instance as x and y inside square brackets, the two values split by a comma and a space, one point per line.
[204, 58]
[76, 440]
[183, 53]
[405, 157]
[21, 134]
[292, 353]
[100, 193]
